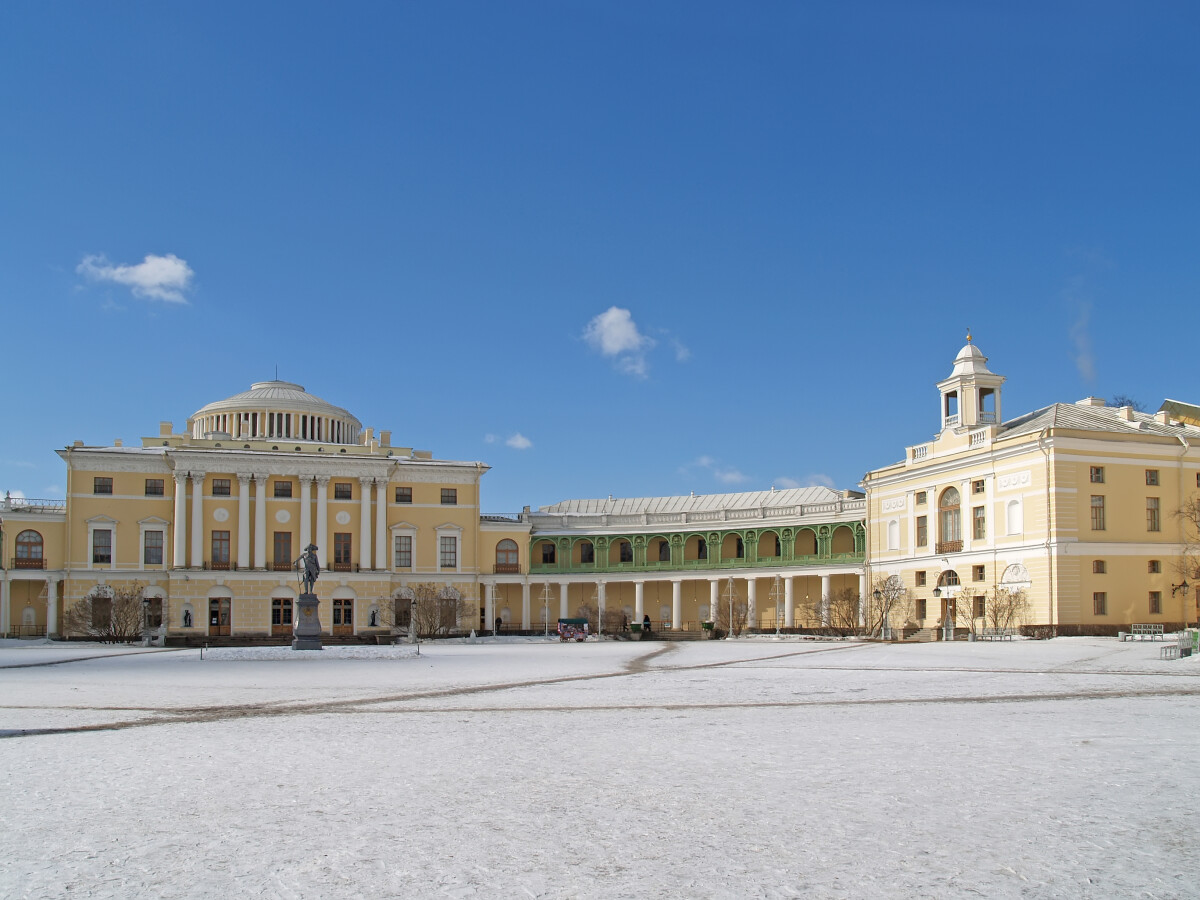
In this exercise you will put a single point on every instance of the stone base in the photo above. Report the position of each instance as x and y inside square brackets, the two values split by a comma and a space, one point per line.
[307, 635]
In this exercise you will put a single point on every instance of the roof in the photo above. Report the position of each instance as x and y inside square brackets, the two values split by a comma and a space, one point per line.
[693, 502]
[1091, 418]
[1185, 412]
[276, 395]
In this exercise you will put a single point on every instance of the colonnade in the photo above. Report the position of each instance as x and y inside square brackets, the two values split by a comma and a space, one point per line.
[195, 558]
[52, 582]
[676, 624]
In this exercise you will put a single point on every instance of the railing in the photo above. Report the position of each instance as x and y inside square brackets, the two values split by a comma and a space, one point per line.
[950, 421]
[342, 567]
[281, 566]
[25, 562]
[515, 518]
[693, 564]
[642, 521]
[987, 417]
[978, 438]
[217, 566]
[506, 569]
[949, 547]
[30, 504]
[920, 452]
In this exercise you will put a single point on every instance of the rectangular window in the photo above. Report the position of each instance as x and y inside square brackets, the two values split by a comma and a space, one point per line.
[1152, 477]
[404, 551]
[102, 546]
[1100, 603]
[101, 484]
[404, 495]
[977, 608]
[922, 531]
[977, 487]
[152, 553]
[283, 548]
[978, 524]
[1098, 567]
[920, 609]
[624, 552]
[920, 498]
[220, 548]
[587, 552]
[921, 578]
[283, 489]
[448, 552]
[1154, 567]
[341, 548]
[449, 496]
[1155, 603]
[221, 487]
[1152, 522]
[154, 487]
[342, 490]
[1097, 474]
[1097, 513]
[978, 573]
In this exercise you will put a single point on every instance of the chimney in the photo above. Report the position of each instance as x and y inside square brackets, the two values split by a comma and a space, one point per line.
[1090, 401]
[1162, 417]
[385, 439]
[118, 443]
[164, 429]
[1125, 413]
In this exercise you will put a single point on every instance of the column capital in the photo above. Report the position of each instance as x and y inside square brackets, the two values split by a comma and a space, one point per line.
[180, 477]
[244, 479]
[307, 479]
[198, 478]
[364, 480]
[260, 480]
[53, 580]
[321, 480]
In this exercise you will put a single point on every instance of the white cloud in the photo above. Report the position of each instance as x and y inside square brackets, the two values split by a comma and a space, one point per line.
[817, 479]
[15, 495]
[721, 473]
[1081, 337]
[614, 334]
[728, 476]
[682, 353]
[786, 483]
[489, 439]
[519, 442]
[156, 277]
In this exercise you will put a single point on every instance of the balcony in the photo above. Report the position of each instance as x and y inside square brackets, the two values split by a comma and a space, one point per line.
[278, 566]
[949, 547]
[342, 567]
[28, 563]
[219, 566]
[506, 569]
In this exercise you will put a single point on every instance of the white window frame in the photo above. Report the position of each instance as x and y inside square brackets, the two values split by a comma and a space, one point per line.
[101, 523]
[154, 523]
[403, 529]
[449, 530]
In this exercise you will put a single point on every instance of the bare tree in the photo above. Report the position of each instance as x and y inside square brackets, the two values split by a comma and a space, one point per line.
[888, 600]
[1006, 608]
[843, 612]
[1188, 563]
[1125, 400]
[732, 612]
[432, 610]
[108, 613]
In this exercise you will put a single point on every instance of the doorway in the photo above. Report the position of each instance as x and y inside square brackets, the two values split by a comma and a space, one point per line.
[219, 616]
[343, 617]
[281, 616]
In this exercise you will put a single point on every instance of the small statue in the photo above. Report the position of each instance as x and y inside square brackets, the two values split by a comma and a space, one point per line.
[309, 568]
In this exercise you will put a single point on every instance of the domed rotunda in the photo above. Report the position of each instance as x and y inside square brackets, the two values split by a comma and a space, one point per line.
[275, 409]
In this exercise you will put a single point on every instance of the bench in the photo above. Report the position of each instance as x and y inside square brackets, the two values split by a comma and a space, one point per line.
[1169, 651]
[1142, 633]
[995, 634]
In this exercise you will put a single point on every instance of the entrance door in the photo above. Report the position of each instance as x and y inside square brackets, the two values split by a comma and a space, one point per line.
[281, 616]
[343, 617]
[218, 615]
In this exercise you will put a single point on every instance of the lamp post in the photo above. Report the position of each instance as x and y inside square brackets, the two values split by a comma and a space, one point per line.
[778, 613]
[883, 615]
[1182, 589]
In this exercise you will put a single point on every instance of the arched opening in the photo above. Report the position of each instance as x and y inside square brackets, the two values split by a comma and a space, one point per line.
[29, 550]
[948, 584]
[732, 547]
[343, 616]
[545, 553]
[1013, 518]
[660, 549]
[620, 551]
[769, 546]
[695, 548]
[281, 616]
[842, 543]
[949, 522]
[583, 553]
[220, 615]
[806, 542]
[508, 558]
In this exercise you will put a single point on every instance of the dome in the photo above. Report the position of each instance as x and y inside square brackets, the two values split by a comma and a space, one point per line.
[276, 409]
[970, 361]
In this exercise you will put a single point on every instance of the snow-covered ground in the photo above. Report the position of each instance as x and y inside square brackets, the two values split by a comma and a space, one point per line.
[531, 769]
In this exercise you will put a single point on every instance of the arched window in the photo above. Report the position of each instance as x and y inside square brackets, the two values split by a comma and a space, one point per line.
[1013, 517]
[740, 553]
[950, 520]
[507, 556]
[664, 551]
[29, 550]
[548, 553]
[625, 551]
[701, 548]
[893, 534]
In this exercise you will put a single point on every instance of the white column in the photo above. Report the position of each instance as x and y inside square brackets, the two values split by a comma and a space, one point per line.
[322, 539]
[305, 511]
[789, 603]
[489, 607]
[600, 607]
[5, 605]
[260, 521]
[562, 599]
[525, 606]
[676, 604]
[243, 557]
[825, 590]
[714, 597]
[381, 487]
[178, 558]
[52, 605]
[752, 602]
[639, 601]
[862, 600]
[197, 520]
[364, 525]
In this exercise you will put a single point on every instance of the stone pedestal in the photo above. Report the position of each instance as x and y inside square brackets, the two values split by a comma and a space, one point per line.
[307, 635]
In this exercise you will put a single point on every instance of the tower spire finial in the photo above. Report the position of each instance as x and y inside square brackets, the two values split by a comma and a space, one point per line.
[968, 334]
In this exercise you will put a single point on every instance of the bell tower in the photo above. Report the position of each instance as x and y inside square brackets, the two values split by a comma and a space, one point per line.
[971, 395]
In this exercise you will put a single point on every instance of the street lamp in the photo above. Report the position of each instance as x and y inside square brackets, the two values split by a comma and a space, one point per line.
[883, 617]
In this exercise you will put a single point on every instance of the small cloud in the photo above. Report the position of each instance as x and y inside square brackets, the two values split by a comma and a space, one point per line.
[163, 278]
[614, 334]
[56, 490]
[712, 467]
[519, 442]
[682, 353]
[817, 479]
[786, 483]
[1081, 338]
[16, 463]
[15, 495]
[489, 439]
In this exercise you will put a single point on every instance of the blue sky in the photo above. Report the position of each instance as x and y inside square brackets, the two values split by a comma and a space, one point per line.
[671, 246]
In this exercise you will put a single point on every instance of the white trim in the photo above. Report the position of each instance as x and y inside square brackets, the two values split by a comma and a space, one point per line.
[101, 523]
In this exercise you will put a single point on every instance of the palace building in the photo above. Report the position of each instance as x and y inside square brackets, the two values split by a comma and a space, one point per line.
[1072, 505]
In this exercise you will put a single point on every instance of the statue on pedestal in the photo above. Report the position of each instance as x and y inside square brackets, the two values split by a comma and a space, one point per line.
[308, 568]
[307, 632]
